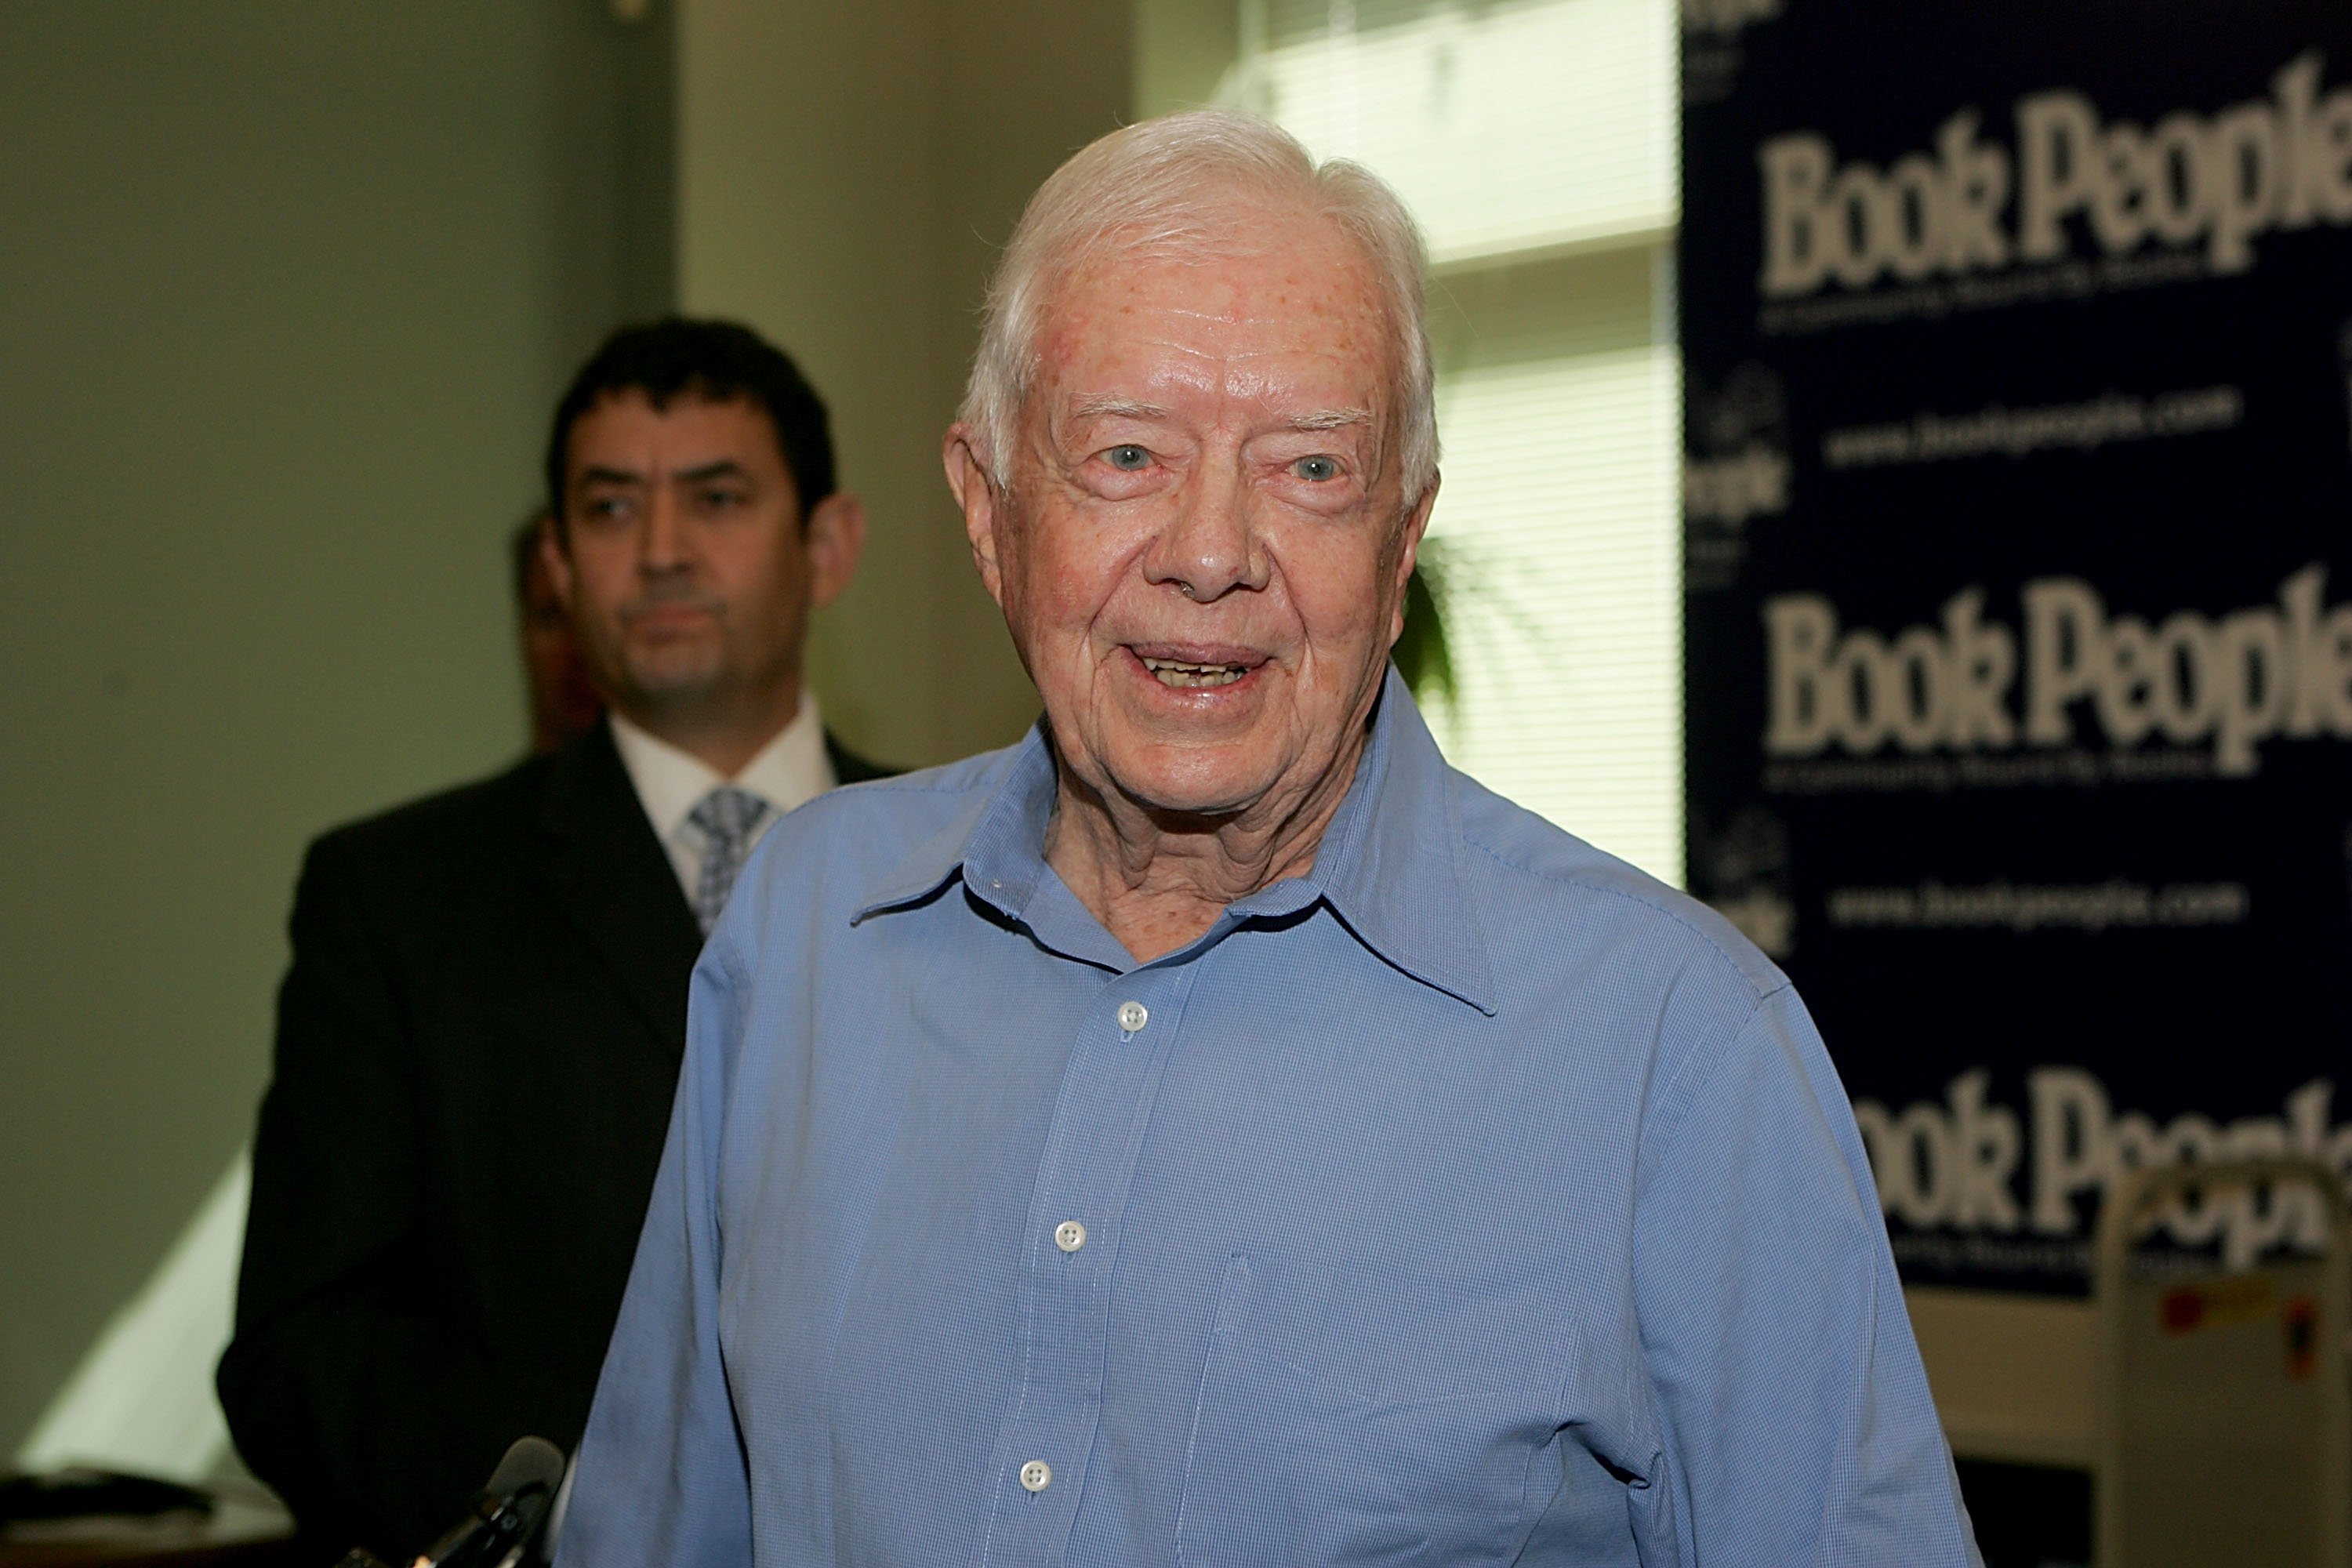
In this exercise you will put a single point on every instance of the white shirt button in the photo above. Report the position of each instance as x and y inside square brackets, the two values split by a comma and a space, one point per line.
[1036, 1475]
[1069, 1236]
[1133, 1015]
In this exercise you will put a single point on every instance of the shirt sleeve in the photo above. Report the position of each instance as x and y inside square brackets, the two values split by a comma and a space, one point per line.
[661, 1478]
[1794, 1413]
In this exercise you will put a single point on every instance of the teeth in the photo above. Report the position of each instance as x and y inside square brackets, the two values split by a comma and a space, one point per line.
[1176, 673]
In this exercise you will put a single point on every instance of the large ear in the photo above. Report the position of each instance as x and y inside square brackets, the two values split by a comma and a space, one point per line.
[835, 539]
[976, 494]
[1416, 524]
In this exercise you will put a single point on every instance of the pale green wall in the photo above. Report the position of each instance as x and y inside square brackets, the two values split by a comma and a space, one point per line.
[844, 175]
[285, 292]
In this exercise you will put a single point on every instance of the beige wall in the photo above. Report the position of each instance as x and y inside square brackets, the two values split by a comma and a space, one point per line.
[844, 173]
[287, 293]
[1182, 51]
[2014, 1376]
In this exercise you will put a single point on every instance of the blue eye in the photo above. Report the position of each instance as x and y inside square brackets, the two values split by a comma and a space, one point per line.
[1317, 468]
[1126, 459]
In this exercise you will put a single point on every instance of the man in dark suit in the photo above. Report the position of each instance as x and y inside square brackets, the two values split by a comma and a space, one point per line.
[479, 1038]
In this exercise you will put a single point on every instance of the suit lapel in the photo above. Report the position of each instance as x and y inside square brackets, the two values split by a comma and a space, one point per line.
[609, 876]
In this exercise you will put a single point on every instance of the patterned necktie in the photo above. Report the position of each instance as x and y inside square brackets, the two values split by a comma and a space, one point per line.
[726, 816]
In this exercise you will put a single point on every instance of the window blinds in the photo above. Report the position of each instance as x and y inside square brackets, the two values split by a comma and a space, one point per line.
[1535, 141]
[1506, 127]
[1557, 522]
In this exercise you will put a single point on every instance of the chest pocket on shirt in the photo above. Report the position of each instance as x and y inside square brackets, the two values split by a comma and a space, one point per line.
[1284, 1466]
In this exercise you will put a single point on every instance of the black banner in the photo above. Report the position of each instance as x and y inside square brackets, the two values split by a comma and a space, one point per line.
[2018, 563]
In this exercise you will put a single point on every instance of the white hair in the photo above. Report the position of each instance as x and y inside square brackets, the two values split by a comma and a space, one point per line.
[1168, 188]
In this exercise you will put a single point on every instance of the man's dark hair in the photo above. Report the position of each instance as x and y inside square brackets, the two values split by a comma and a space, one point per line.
[713, 361]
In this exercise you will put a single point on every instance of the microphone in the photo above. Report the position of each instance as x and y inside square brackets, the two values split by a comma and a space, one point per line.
[508, 1514]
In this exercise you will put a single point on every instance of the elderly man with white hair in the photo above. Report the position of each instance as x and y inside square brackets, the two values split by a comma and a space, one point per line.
[1214, 1132]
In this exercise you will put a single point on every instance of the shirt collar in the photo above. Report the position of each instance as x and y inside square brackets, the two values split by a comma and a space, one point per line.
[790, 769]
[1388, 866]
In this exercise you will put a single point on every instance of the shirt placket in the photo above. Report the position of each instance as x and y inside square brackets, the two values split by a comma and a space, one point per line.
[1069, 1246]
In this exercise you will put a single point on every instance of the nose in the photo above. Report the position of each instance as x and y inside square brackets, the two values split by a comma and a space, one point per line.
[1210, 547]
[661, 543]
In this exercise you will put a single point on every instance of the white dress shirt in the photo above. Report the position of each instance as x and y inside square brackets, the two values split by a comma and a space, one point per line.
[790, 768]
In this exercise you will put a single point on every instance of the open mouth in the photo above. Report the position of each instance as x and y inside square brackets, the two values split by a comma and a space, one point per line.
[1177, 674]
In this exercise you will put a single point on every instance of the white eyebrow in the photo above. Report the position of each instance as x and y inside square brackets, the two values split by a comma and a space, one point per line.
[1115, 408]
[1128, 409]
[1331, 419]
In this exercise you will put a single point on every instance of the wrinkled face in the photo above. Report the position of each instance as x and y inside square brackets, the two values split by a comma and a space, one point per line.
[685, 567]
[1200, 545]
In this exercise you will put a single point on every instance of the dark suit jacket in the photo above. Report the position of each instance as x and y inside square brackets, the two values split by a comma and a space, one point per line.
[477, 1044]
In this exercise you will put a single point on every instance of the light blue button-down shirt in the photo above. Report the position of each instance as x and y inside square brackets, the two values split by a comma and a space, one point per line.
[1473, 1199]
